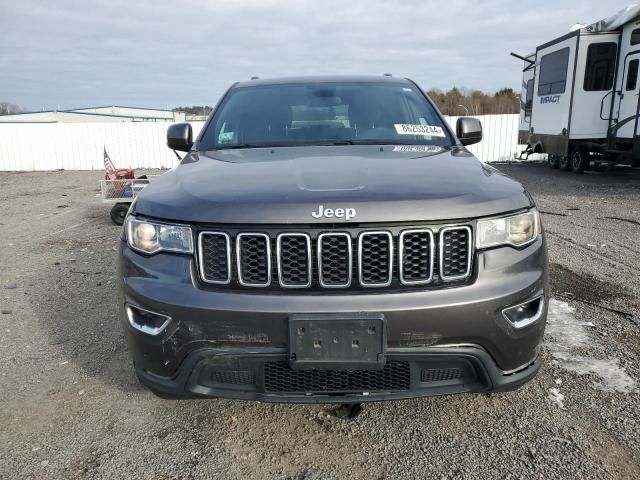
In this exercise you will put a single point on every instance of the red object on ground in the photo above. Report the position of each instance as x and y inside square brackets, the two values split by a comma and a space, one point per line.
[120, 174]
[113, 173]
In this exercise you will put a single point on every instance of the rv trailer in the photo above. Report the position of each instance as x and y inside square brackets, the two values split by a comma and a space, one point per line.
[580, 98]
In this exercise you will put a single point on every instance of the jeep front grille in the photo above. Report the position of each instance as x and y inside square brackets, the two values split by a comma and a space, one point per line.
[360, 259]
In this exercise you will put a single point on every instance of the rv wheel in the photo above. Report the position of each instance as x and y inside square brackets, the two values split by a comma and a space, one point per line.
[579, 160]
[565, 163]
[553, 160]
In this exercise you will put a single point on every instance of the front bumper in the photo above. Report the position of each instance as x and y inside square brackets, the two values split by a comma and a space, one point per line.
[408, 373]
[214, 333]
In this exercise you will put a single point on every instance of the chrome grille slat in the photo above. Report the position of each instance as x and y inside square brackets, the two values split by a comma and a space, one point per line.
[217, 267]
[375, 260]
[455, 254]
[253, 259]
[416, 256]
[335, 260]
[294, 260]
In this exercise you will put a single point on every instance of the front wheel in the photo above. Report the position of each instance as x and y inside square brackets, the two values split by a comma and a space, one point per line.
[579, 161]
[167, 396]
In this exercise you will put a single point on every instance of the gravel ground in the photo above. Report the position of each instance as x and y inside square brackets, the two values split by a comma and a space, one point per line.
[70, 406]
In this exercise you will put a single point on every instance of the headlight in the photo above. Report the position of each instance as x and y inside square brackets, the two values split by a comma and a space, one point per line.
[516, 230]
[149, 237]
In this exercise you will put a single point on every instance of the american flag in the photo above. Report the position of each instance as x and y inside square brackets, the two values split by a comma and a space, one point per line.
[109, 167]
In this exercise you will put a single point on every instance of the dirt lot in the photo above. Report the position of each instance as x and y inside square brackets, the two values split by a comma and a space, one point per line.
[70, 406]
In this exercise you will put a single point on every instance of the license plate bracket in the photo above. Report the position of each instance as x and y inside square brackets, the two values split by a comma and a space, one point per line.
[337, 341]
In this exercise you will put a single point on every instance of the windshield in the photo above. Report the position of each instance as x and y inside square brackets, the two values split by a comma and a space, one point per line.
[325, 114]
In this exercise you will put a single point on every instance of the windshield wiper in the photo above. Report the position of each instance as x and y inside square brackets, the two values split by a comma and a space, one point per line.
[321, 143]
[367, 141]
[291, 144]
[246, 145]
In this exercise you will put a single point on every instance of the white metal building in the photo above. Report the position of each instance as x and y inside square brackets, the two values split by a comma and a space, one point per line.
[96, 114]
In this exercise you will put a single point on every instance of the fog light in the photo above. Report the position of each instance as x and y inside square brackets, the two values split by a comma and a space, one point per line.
[526, 313]
[146, 321]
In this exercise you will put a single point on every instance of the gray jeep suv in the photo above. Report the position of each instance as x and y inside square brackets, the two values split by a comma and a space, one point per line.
[331, 239]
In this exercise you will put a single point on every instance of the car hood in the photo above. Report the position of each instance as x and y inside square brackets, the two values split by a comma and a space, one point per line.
[285, 185]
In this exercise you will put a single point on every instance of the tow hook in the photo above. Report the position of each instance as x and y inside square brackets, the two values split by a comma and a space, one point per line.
[347, 411]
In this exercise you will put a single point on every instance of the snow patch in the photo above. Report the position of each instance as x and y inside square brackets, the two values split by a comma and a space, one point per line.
[556, 396]
[612, 375]
[565, 333]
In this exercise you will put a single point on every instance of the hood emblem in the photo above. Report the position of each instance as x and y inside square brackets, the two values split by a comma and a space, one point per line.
[346, 213]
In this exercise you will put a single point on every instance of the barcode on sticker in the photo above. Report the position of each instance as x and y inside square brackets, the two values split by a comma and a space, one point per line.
[417, 148]
[409, 129]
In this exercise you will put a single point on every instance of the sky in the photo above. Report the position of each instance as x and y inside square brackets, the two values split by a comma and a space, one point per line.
[163, 54]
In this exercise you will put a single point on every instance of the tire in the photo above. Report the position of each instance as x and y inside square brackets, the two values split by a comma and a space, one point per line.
[119, 212]
[579, 160]
[166, 396]
[565, 163]
[553, 161]
[347, 411]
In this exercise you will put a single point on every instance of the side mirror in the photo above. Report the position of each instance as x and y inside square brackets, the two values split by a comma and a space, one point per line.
[180, 137]
[468, 130]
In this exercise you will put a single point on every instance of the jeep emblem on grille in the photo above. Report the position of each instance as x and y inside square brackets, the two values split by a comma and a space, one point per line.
[346, 213]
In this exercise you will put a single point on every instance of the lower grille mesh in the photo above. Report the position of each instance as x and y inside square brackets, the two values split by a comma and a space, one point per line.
[232, 377]
[440, 374]
[279, 377]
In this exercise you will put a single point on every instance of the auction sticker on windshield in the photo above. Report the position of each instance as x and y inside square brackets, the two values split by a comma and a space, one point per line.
[417, 148]
[409, 129]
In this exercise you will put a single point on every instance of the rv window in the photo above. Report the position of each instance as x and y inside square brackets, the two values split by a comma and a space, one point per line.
[635, 37]
[553, 72]
[529, 91]
[528, 101]
[601, 62]
[632, 75]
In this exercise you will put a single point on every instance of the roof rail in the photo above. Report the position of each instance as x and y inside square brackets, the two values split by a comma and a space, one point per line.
[388, 75]
[255, 78]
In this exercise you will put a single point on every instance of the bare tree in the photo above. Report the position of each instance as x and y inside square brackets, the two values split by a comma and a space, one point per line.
[464, 101]
[7, 108]
[195, 110]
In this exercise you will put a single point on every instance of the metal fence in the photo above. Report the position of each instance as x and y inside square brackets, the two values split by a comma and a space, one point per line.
[79, 146]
